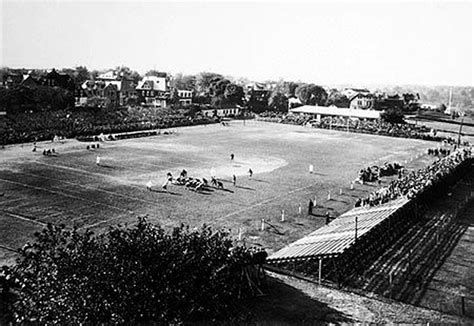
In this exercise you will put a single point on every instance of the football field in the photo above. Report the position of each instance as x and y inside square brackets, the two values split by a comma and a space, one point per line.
[70, 188]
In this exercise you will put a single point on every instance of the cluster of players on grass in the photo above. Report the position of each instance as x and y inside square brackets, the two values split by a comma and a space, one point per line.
[438, 151]
[195, 184]
[418, 182]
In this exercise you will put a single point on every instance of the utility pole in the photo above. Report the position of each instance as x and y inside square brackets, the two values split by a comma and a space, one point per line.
[459, 133]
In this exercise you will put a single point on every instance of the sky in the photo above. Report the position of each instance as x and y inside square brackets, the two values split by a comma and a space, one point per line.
[350, 42]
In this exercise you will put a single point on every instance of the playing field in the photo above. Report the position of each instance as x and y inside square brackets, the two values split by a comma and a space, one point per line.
[70, 188]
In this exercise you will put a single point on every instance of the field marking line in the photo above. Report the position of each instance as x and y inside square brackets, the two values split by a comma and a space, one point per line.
[262, 202]
[92, 188]
[66, 195]
[100, 222]
[8, 248]
[23, 218]
[10, 201]
[74, 169]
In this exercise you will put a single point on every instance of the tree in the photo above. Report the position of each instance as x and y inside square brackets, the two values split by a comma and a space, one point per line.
[203, 82]
[393, 115]
[126, 72]
[80, 75]
[138, 274]
[278, 102]
[156, 73]
[185, 82]
[258, 100]
[310, 94]
[174, 96]
[234, 94]
[337, 99]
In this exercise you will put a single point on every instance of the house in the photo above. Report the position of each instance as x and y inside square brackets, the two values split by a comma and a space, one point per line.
[12, 79]
[96, 89]
[55, 79]
[351, 92]
[362, 101]
[257, 95]
[80, 96]
[125, 87]
[185, 96]
[154, 90]
[293, 101]
[29, 81]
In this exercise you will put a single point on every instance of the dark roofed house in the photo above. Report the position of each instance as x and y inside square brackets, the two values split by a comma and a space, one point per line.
[55, 79]
[11, 80]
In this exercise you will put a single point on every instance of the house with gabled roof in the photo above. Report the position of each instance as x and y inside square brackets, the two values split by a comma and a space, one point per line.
[362, 101]
[154, 90]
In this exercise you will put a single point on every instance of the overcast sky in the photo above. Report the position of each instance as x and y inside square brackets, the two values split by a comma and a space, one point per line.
[324, 42]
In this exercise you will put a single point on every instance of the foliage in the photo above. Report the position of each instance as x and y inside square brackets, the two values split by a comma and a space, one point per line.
[203, 82]
[393, 115]
[37, 98]
[128, 73]
[310, 94]
[337, 99]
[184, 82]
[278, 102]
[234, 94]
[136, 274]
[174, 97]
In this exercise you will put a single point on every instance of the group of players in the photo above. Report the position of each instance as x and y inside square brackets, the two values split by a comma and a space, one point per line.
[191, 183]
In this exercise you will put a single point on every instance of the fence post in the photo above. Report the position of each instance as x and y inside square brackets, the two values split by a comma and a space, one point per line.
[263, 224]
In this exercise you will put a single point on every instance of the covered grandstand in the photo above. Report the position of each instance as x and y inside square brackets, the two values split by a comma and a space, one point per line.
[342, 240]
[322, 111]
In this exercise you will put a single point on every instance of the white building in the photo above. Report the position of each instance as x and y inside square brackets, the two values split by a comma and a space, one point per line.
[185, 96]
[362, 101]
[154, 90]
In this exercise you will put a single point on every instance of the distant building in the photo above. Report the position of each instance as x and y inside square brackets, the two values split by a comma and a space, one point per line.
[351, 92]
[427, 106]
[185, 96]
[96, 89]
[125, 87]
[362, 101]
[29, 81]
[55, 79]
[222, 112]
[11, 80]
[293, 101]
[154, 90]
[16, 79]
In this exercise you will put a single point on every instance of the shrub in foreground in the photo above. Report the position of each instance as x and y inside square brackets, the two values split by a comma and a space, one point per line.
[128, 275]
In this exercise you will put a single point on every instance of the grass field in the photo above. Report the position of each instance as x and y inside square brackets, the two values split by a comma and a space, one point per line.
[70, 188]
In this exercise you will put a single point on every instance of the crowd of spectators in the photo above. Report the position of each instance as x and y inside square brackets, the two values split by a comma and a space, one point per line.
[374, 173]
[419, 182]
[38, 126]
[378, 127]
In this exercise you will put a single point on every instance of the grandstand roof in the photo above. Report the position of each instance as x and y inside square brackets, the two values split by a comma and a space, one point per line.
[333, 239]
[334, 111]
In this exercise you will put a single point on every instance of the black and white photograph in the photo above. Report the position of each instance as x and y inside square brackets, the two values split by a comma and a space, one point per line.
[250, 162]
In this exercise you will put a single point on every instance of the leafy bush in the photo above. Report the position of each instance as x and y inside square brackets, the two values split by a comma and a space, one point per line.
[128, 275]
